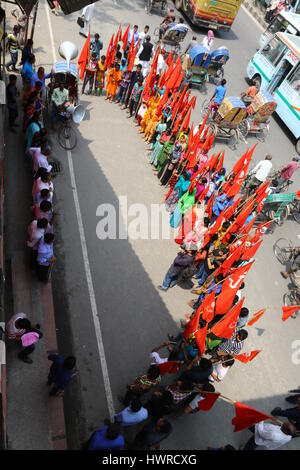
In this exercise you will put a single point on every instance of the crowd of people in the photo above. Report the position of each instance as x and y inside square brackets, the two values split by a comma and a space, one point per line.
[217, 236]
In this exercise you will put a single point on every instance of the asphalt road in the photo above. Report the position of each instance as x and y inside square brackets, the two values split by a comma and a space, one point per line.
[109, 161]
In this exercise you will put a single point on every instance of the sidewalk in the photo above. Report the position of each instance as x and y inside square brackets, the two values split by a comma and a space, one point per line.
[34, 420]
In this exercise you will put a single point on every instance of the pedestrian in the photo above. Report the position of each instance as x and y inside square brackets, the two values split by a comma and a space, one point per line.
[184, 259]
[36, 231]
[234, 345]
[145, 54]
[17, 325]
[42, 182]
[288, 171]
[135, 76]
[11, 99]
[293, 414]
[100, 76]
[27, 51]
[40, 76]
[143, 34]
[40, 157]
[218, 96]
[142, 384]
[27, 74]
[133, 35]
[152, 434]
[56, 8]
[87, 15]
[96, 46]
[34, 126]
[181, 390]
[221, 369]
[208, 40]
[270, 435]
[60, 100]
[12, 46]
[113, 81]
[124, 84]
[60, 373]
[43, 210]
[161, 64]
[29, 339]
[259, 174]
[45, 256]
[118, 56]
[135, 97]
[243, 317]
[107, 437]
[133, 414]
[90, 71]
[198, 374]
[160, 404]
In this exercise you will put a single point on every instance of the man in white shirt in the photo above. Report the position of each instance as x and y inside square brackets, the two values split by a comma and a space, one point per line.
[269, 435]
[36, 231]
[133, 414]
[87, 14]
[143, 34]
[43, 182]
[192, 407]
[260, 173]
[221, 368]
[161, 62]
[40, 158]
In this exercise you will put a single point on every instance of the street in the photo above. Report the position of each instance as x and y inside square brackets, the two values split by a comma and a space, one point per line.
[109, 312]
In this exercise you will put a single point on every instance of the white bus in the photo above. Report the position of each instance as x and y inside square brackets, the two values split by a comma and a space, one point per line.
[284, 22]
[276, 67]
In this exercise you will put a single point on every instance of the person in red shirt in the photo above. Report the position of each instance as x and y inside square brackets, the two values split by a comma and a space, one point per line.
[288, 171]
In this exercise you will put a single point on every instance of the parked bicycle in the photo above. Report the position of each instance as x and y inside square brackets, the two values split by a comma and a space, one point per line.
[286, 252]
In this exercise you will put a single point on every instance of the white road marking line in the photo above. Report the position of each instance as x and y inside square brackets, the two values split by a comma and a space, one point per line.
[96, 317]
[253, 19]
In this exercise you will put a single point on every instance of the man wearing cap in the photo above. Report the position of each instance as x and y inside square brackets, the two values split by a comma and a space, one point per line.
[288, 171]
[144, 54]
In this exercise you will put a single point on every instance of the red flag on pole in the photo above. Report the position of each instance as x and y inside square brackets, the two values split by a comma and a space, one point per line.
[240, 163]
[247, 357]
[260, 230]
[256, 317]
[179, 80]
[84, 55]
[208, 402]
[208, 307]
[246, 229]
[220, 162]
[125, 37]
[191, 136]
[228, 262]
[200, 337]
[210, 206]
[169, 59]
[230, 287]
[201, 128]
[231, 210]
[225, 327]
[287, 312]
[175, 75]
[109, 53]
[169, 367]
[193, 324]
[186, 122]
[213, 161]
[248, 254]
[245, 417]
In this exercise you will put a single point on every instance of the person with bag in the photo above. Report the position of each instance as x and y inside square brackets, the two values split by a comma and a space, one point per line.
[85, 19]
[29, 339]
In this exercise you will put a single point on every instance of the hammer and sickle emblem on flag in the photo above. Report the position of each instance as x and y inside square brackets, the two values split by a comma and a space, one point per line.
[234, 286]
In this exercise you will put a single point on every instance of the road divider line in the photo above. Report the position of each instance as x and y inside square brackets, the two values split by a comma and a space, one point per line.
[86, 262]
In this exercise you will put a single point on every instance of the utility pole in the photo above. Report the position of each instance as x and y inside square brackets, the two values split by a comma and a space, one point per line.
[34, 20]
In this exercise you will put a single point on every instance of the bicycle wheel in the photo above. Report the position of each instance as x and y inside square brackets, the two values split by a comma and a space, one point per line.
[292, 298]
[282, 217]
[295, 209]
[233, 139]
[148, 6]
[204, 108]
[282, 249]
[243, 129]
[262, 134]
[67, 137]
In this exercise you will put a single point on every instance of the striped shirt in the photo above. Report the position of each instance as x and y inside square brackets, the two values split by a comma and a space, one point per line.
[178, 395]
[12, 43]
[231, 346]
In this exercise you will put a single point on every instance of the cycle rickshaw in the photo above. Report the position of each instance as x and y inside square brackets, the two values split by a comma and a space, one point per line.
[172, 38]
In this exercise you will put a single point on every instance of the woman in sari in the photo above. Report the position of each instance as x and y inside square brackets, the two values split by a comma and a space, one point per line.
[164, 154]
[171, 164]
[100, 76]
[179, 189]
[161, 139]
[113, 80]
[185, 203]
[160, 128]
[194, 239]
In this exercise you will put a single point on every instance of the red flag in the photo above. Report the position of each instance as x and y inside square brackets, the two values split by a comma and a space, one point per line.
[201, 128]
[256, 317]
[246, 229]
[240, 163]
[242, 217]
[231, 210]
[169, 59]
[262, 188]
[213, 161]
[209, 206]
[230, 287]
[162, 103]
[228, 262]
[178, 105]
[208, 402]
[287, 312]
[200, 337]
[191, 136]
[84, 55]
[217, 224]
[175, 75]
[208, 307]
[169, 367]
[179, 80]
[248, 254]
[109, 52]
[247, 357]
[193, 324]
[186, 122]
[260, 231]
[235, 187]
[131, 58]
[220, 162]
[245, 417]
[125, 37]
[225, 327]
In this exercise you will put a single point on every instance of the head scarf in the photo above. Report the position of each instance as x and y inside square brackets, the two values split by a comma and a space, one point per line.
[210, 36]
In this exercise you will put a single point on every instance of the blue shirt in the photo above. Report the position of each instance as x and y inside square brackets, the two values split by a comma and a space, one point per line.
[45, 253]
[127, 417]
[32, 129]
[136, 37]
[96, 47]
[99, 441]
[35, 78]
[60, 377]
[220, 93]
[27, 70]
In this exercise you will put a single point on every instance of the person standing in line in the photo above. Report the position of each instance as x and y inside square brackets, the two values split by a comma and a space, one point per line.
[90, 71]
[87, 15]
[11, 99]
[61, 373]
[144, 54]
[143, 34]
[17, 325]
[12, 46]
[133, 414]
[107, 437]
[133, 35]
[269, 435]
[45, 256]
[135, 97]
[136, 75]
[182, 261]
[29, 339]
[96, 45]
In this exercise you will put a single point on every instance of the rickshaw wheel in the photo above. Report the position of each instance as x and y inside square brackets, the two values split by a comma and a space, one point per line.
[67, 138]
[212, 128]
[280, 220]
[233, 139]
[243, 128]
[282, 249]
[204, 108]
[218, 76]
[262, 134]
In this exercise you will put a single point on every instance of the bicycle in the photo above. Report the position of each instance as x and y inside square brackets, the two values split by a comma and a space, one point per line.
[285, 251]
[150, 3]
[292, 298]
[67, 137]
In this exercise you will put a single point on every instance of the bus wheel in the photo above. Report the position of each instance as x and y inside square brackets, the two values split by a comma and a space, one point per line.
[298, 146]
[178, 4]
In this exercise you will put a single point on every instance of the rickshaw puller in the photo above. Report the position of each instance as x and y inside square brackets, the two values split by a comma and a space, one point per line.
[60, 101]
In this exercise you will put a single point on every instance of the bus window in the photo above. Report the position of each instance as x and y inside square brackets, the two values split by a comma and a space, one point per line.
[274, 51]
[278, 24]
[294, 79]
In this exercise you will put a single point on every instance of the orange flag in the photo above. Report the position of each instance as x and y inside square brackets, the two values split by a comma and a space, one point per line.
[179, 80]
[213, 160]
[256, 317]
[228, 262]
[220, 162]
[84, 55]
[109, 53]
[200, 337]
[231, 210]
[260, 230]
[230, 287]
[289, 311]
[208, 307]
[248, 254]
[208, 402]
[131, 58]
[191, 136]
[210, 205]
[175, 75]
[247, 357]
[245, 417]
[193, 324]
[125, 37]
[225, 327]
[240, 163]
[186, 122]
